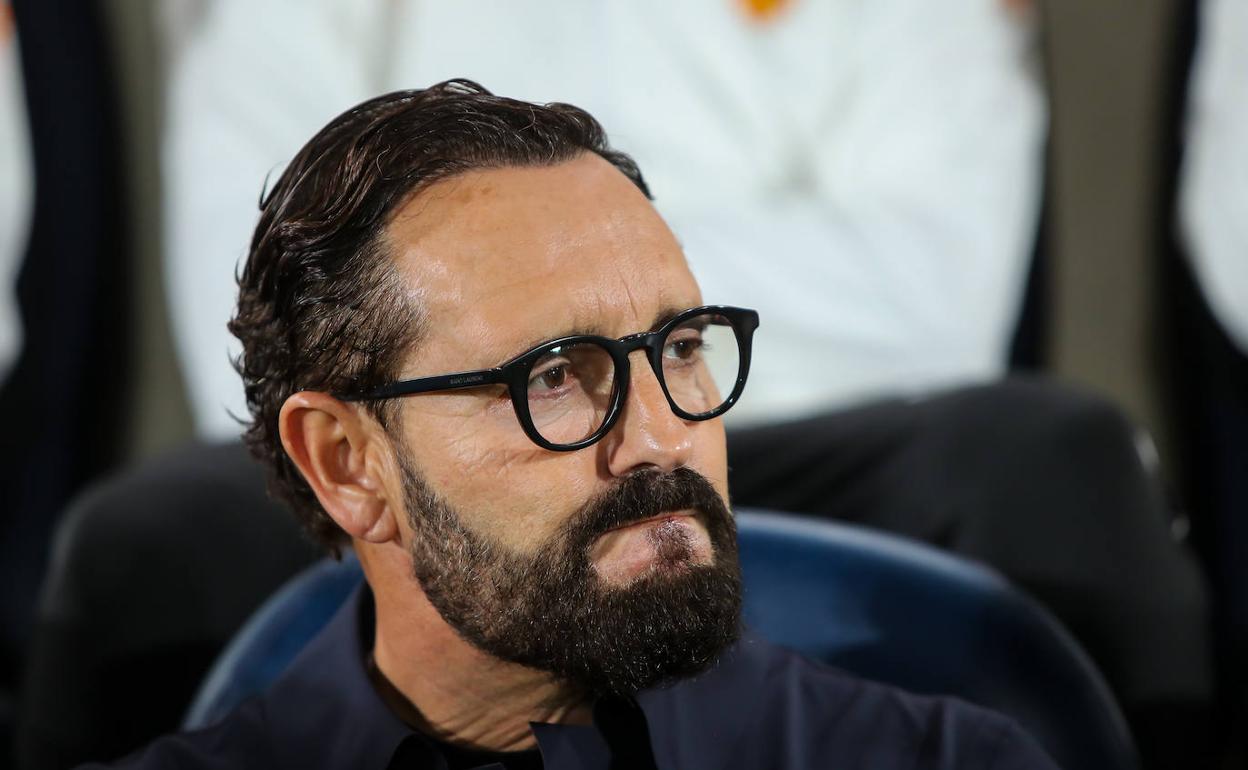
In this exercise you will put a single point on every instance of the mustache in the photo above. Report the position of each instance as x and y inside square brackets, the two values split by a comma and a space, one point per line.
[643, 495]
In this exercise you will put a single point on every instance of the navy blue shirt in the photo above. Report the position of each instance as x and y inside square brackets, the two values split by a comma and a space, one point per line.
[760, 707]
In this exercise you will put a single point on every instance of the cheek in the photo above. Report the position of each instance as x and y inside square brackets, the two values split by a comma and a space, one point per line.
[504, 487]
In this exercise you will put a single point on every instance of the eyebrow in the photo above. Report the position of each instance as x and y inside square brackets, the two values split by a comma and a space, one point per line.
[664, 315]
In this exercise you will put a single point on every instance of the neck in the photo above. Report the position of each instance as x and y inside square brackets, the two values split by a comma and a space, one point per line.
[442, 685]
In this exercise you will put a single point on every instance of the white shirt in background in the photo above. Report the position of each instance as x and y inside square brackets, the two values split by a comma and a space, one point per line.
[865, 173]
[1213, 196]
[16, 192]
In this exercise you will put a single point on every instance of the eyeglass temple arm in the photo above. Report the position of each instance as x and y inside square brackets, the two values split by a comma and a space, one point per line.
[456, 381]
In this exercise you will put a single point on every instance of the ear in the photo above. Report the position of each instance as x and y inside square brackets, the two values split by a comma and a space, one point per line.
[343, 456]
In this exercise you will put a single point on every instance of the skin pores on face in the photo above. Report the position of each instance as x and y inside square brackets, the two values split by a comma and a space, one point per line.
[499, 261]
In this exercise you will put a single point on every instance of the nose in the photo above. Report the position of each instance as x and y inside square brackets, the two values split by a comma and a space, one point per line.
[648, 435]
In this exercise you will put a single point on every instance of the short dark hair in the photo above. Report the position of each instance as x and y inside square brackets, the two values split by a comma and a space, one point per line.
[320, 305]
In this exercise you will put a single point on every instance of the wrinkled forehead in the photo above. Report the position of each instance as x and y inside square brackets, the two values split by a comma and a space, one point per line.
[505, 258]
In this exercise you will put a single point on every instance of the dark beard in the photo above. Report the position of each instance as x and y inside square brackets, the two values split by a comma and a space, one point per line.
[550, 611]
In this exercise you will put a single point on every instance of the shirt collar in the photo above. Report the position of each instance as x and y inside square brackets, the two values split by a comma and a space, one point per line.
[699, 722]
[324, 711]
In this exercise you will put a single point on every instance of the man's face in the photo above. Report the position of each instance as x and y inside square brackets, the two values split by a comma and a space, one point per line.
[506, 536]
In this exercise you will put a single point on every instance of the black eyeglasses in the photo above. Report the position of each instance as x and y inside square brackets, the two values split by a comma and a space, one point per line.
[568, 392]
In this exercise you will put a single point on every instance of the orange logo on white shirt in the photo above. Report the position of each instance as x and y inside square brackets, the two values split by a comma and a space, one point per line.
[6, 23]
[763, 10]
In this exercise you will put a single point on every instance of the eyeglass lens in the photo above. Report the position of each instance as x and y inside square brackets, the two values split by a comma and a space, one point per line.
[571, 387]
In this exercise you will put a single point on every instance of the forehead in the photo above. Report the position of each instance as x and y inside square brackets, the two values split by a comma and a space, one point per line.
[510, 256]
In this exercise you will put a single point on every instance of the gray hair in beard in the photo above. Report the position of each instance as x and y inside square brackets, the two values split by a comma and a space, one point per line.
[549, 610]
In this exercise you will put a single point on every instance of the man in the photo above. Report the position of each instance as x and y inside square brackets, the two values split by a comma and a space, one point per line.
[475, 353]
[867, 175]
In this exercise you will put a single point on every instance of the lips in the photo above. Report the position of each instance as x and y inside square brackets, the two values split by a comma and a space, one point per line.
[658, 517]
[668, 542]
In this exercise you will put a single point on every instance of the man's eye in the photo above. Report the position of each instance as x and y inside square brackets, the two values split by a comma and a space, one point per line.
[549, 377]
[683, 349]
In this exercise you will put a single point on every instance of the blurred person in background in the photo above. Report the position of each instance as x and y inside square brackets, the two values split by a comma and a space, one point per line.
[63, 310]
[1214, 186]
[15, 210]
[1213, 328]
[15, 189]
[867, 174]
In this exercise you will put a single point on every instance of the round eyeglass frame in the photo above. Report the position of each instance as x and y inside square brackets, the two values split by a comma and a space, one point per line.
[515, 373]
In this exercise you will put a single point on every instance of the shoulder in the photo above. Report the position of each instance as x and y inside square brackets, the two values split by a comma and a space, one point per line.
[825, 712]
[238, 741]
